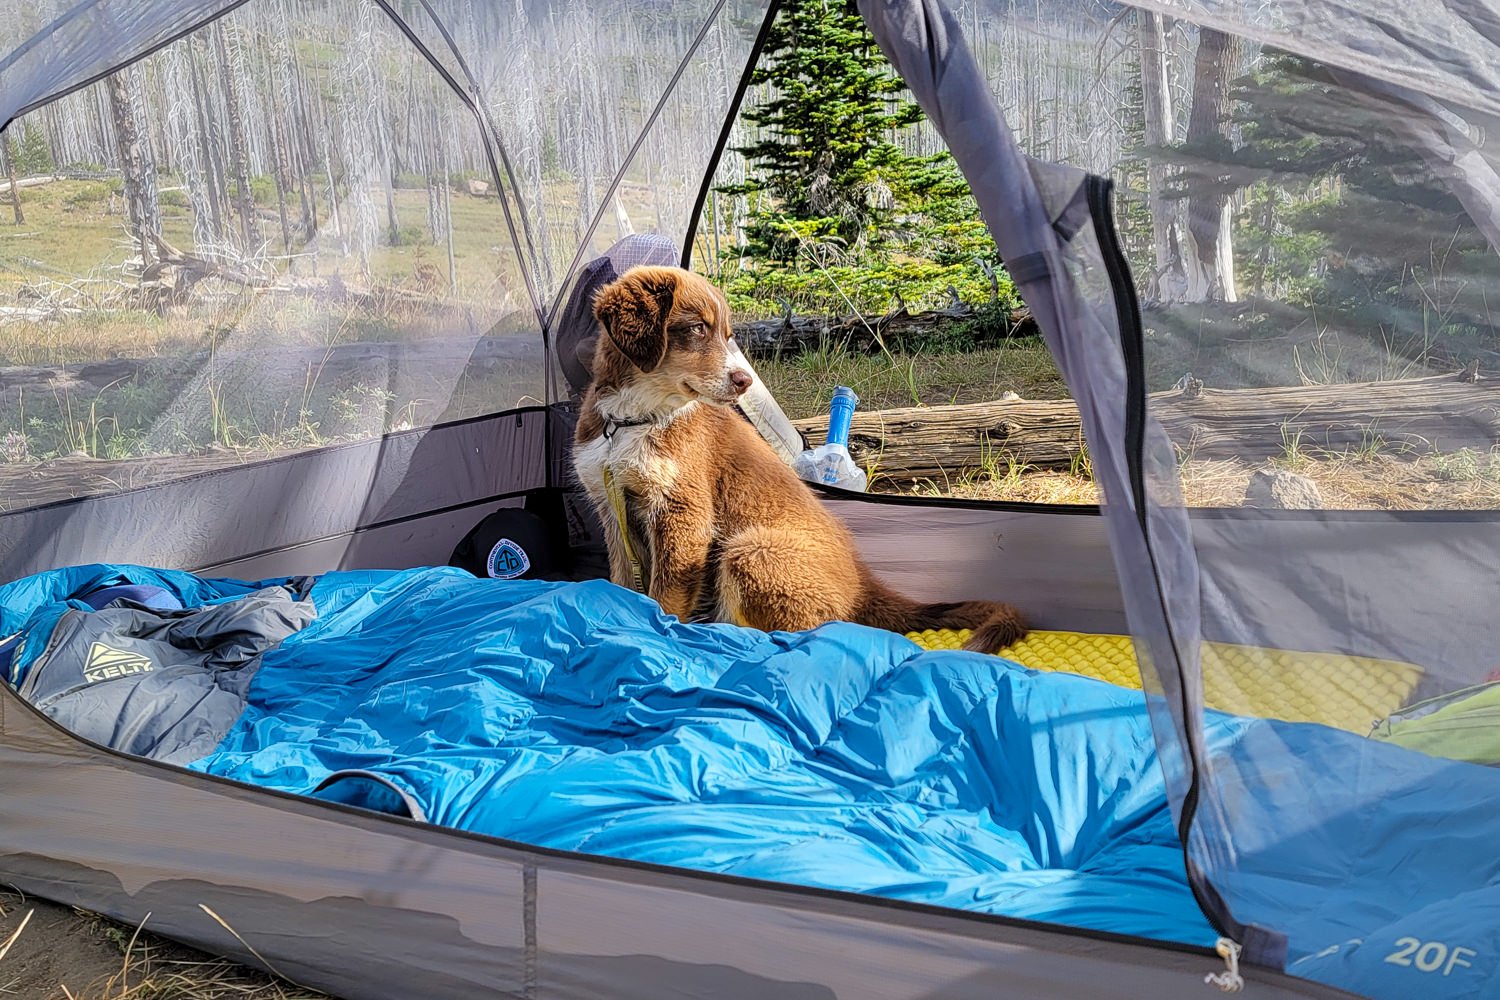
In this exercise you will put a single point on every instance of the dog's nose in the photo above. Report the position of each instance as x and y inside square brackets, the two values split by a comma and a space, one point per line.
[741, 380]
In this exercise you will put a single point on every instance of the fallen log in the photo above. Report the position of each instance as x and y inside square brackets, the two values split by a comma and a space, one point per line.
[1442, 413]
[25, 182]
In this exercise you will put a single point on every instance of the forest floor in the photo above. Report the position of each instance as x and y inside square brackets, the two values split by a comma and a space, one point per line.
[52, 952]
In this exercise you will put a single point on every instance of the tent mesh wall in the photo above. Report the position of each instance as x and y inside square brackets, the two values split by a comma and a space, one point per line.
[604, 119]
[331, 313]
[55, 47]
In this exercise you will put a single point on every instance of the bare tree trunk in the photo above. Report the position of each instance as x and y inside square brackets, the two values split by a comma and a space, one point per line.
[437, 222]
[276, 92]
[445, 192]
[448, 229]
[300, 154]
[1169, 283]
[10, 171]
[279, 174]
[333, 198]
[1209, 217]
[393, 224]
[135, 163]
[208, 131]
[239, 161]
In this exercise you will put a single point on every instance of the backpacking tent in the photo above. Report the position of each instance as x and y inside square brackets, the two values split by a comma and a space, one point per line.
[1343, 860]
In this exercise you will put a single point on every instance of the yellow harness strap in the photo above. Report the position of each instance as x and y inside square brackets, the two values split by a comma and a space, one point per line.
[616, 494]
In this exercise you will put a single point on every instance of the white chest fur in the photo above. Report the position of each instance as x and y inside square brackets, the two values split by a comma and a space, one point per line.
[637, 463]
[635, 458]
[632, 458]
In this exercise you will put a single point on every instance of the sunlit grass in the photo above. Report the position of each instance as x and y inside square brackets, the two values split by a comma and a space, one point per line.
[804, 383]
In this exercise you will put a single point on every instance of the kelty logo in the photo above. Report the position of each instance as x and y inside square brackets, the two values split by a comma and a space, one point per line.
[106, 663]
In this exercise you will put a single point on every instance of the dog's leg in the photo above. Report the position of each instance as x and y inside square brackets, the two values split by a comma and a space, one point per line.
[779, 580]
[679, 562]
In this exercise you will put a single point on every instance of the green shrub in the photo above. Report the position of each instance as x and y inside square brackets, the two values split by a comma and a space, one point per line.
[459, 179]
[871, 288]
[93, 192]
[31, 153]
[408, 236]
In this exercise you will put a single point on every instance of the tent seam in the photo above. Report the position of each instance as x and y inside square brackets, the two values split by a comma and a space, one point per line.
[471, 100]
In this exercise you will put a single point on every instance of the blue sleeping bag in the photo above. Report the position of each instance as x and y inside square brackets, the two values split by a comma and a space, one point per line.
[577, 717]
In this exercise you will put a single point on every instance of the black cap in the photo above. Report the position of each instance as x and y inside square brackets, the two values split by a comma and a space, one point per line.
[510, 544]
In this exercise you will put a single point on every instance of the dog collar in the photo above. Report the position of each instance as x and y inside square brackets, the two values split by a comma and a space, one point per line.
[610, 426]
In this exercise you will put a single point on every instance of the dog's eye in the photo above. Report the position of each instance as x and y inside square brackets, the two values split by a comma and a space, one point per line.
[699, 329]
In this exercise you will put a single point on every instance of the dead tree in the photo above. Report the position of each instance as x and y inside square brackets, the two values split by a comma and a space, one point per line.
[1169, 282]
[10, 172]
[232, 70]
[208, 135]
[1208, 210]
[136, 162]
[167, 280]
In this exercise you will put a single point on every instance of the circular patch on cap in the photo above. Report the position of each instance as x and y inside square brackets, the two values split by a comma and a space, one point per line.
[506, 560]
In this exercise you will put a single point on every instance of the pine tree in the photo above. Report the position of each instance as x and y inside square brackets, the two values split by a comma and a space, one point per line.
[1363, 227]
[826, 177]
[32, 153]
[1342, 222]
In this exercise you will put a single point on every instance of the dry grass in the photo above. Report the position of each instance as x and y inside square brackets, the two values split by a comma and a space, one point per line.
[803, 384]
[1462, 480]
[75, 228]
[148, 967]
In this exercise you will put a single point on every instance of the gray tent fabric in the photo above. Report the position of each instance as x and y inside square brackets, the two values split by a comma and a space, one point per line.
[366, 906]
[1444, 50]
[1350, 581]
[341, 494]
[87, 40]
[1443, 139]
[161, 684]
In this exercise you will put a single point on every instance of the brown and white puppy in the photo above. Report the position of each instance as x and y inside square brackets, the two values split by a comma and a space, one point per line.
[722, 529]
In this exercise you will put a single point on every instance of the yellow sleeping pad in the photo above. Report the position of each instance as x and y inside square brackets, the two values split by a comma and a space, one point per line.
[1349, 692]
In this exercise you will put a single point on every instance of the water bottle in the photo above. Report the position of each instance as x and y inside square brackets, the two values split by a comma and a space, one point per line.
[831, 462]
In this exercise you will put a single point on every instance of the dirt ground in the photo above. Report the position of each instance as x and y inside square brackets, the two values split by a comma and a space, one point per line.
[51, 952]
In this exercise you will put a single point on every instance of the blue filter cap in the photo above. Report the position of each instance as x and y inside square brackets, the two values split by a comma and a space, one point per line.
[841, 414]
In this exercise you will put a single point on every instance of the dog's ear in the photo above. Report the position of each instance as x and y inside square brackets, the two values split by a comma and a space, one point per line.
[633, 311]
